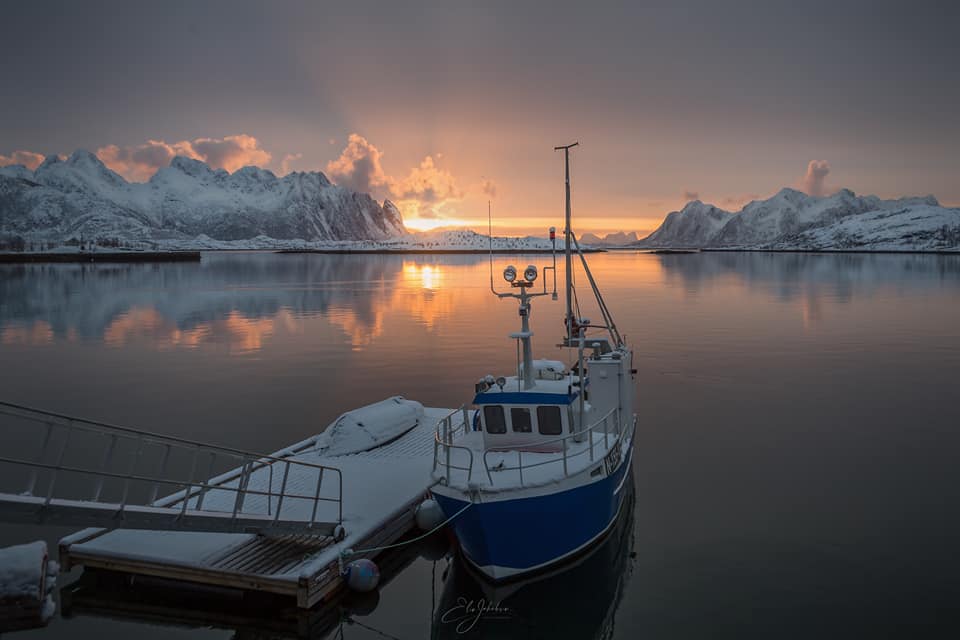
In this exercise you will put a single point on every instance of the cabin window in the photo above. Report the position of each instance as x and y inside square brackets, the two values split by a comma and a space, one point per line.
[520, 419]
[548, 421]
[494, 419]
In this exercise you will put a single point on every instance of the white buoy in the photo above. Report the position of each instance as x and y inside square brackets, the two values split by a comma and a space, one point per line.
[429, 515]
[363, 575]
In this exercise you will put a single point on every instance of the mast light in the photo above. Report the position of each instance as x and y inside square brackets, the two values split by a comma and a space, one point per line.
[510, 273]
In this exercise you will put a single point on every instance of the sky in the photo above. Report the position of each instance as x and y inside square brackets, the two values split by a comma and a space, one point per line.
[443, 107]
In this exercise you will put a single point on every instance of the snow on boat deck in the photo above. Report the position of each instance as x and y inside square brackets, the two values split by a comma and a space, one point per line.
[381, 488]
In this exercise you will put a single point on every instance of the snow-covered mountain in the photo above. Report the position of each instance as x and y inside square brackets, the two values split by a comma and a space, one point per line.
[610, 240]
[794, 220]
[80, 196]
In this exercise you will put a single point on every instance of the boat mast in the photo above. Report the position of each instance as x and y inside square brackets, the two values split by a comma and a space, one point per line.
[567, 234]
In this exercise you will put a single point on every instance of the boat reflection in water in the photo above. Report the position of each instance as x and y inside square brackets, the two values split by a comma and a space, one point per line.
[576, 600]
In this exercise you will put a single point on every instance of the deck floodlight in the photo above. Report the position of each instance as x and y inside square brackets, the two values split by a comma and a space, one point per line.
[501, 381]
[530, 273]
[510, 273]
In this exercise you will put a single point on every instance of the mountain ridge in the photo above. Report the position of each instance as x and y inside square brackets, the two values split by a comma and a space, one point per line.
[80, 197]
[791, 219]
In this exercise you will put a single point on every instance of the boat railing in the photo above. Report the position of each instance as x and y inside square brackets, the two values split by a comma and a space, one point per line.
[71, 469]
[446, 432]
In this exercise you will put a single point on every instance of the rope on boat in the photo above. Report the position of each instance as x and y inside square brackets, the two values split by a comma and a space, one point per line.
[353, 552]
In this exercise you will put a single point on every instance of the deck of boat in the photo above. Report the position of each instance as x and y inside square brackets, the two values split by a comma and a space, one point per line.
[382, 488]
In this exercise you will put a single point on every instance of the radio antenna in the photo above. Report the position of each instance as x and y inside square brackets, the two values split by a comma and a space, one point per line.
[566, 236]
[490, 239]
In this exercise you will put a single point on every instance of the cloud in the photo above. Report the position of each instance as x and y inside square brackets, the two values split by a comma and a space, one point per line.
[359, 168]
[691, 195]
[813, 182]
[232, 152]
[289, 159]
[740, 200]
[428, 184]
[427, 191]
[488, 188]
[140, 162]
[29, 159]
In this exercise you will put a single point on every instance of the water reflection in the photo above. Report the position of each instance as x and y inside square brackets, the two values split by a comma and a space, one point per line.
[243, 301]
[237, 300]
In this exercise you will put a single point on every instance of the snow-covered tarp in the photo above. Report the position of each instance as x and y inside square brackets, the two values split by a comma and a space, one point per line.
[27, 576]
[370, 426]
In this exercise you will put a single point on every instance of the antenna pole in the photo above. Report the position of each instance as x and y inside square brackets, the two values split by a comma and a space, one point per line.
[490, 238]
[567, 233]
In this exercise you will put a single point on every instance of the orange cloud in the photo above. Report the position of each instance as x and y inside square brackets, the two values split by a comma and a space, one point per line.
[140, 162]
[359, 167]
[428, 184]
[288, 160]
[29, 159]
[427, 192]
[814, 181]
[488, 188]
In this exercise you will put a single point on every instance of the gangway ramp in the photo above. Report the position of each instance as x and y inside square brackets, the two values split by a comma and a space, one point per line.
[58, 469]
[286, 548]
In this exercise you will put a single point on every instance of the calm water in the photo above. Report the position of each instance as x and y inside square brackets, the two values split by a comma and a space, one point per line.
[796, 471]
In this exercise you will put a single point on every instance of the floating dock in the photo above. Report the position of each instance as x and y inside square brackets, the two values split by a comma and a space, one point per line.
[379, 491]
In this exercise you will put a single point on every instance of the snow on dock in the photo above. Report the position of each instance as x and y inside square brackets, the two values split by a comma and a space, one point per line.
[384, 472]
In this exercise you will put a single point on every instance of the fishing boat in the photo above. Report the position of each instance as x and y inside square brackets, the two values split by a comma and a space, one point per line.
[532, 472]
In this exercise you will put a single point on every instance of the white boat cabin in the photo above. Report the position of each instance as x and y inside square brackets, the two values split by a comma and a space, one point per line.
[534, 419]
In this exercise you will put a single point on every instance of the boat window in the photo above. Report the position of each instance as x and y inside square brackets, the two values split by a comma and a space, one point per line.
[548, 421]
[520, 420]
[494, 419]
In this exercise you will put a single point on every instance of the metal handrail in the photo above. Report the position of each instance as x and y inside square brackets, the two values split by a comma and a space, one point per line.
[249, 464]
[445, 432]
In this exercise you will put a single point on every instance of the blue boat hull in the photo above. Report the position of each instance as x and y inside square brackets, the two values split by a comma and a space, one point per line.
[507, 538]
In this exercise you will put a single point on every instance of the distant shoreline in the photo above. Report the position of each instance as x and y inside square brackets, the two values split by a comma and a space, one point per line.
[99, 256]
[430, 251]
[899, 251]
[664, 250]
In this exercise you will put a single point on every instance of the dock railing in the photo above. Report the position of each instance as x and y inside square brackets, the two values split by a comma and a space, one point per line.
[448, 429]
[60, 469]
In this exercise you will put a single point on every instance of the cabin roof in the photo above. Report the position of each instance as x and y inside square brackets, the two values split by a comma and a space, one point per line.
[543, 392]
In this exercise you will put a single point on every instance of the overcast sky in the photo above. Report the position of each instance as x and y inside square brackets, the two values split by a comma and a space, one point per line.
[442, 106]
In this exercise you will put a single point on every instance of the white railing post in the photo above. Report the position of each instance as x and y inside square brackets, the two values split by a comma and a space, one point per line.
[189, 488]
[316, 498]
[163, 472]
[283, 490]
[205, 487]
[32, 483]
[565, 472]
[446, 444]
[133, 470]
[53, 477]
[606, 432]
[107, 457]
[590, 435]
